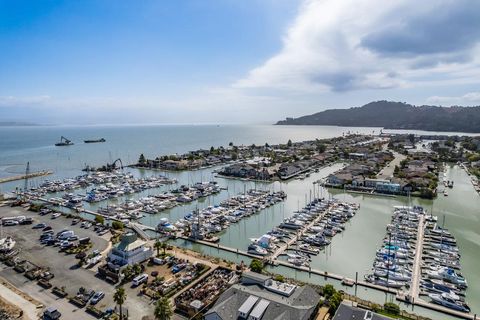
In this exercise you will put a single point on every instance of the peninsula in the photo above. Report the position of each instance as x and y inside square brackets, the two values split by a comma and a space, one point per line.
[396, 115]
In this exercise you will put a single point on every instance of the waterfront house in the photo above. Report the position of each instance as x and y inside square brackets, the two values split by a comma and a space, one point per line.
[130, 250]
[340, 179]
[260, 297]
[347, 311]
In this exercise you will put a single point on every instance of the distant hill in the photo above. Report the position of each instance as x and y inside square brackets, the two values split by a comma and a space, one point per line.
[396, 115]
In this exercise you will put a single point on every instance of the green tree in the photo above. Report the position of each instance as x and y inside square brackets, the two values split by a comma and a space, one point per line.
[289, 143]
[157, 245]
[328, 291]
[99, 219]
[117, 225]
[163, 309]
[334, 302]
[142, 161]
[119, 298]
[231, 144]
[163, 246]
[256, 266]
[321, 148]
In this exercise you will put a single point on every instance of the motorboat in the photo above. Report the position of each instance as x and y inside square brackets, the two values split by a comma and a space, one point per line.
[165, 226]
[291, 224]
[448, 300]
[449, 275]
[257, 250]
[7, 244]
[400, 276]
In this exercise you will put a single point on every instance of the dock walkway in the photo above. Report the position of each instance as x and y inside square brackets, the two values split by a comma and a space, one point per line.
[417, 261]
[298, 235]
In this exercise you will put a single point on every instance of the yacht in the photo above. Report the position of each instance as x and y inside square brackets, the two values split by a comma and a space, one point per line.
[449, 300]
[449, 275]
[7, 244]
[399, 276]
[384, 282]
[255, 249]
[165, 226]
[291, 224]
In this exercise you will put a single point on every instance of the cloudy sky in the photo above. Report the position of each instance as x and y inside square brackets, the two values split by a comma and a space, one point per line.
[192, 61]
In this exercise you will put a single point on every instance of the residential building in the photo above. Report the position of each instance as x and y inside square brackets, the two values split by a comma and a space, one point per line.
[129, 250]
[260, 297]
[348, 311]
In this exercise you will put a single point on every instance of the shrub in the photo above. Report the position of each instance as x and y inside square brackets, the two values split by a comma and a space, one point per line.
[391, 308]
[279, 278]
[117, 225]
[100, 219]
[256, 266]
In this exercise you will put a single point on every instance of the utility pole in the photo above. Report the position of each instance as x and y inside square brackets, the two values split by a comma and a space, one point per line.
[25, 187]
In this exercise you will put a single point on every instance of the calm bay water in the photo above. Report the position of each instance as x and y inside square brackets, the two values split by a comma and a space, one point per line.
[350, 252]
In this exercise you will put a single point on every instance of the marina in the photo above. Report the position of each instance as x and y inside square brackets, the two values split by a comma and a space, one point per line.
[346, 254]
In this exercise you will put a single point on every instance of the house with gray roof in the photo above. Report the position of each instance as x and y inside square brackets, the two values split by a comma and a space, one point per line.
[259, 297]
[347, 311]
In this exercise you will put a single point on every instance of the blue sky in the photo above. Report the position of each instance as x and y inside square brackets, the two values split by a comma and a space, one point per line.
[230, 61]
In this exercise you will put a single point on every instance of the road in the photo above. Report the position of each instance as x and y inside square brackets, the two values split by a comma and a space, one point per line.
[29, 309]
[387, 171]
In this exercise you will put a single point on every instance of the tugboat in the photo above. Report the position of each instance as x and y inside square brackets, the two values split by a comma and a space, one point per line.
[95, 141]
[63, 142]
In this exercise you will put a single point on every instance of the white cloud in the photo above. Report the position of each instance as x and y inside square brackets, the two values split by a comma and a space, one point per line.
[373, 44]
[468, 99]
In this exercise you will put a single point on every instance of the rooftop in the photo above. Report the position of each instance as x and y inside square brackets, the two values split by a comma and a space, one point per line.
[299, 305]
[346, 311]
[129, 242]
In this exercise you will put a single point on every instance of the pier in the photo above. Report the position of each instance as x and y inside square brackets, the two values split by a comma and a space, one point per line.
[417, 261]
[298, 235]
[26, 176]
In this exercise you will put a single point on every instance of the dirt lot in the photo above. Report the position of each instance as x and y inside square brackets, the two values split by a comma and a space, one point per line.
[63, 266]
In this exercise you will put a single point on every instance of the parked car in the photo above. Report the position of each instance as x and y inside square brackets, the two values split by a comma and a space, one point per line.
[39, 226]
[51, 313]
[75, 221]
[84, 240]
[10, 222]
[138, 280]
[65, 235]
[97, 297]
[81, 255]
[178, 267]
[25, 221]
[158, 261]
[47, 228]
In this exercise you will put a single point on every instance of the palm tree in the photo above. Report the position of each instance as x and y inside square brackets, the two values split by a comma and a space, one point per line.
[157, 246]
[163, 309]
[164, 247]
[119, 298]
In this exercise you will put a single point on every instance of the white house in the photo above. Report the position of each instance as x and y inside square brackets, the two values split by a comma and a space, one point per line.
[130, 250]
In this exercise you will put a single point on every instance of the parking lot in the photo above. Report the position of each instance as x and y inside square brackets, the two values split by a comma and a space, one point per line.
[66, 271]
